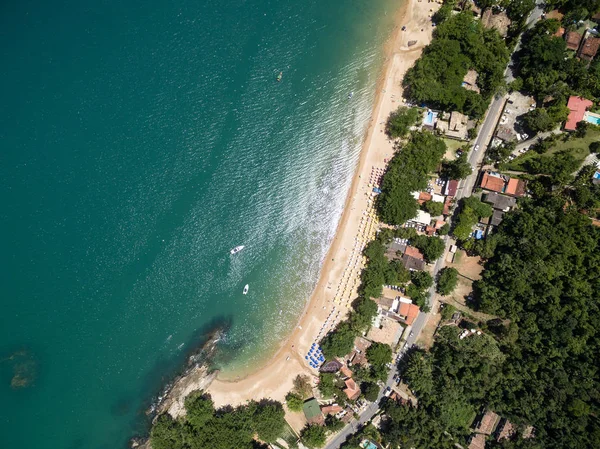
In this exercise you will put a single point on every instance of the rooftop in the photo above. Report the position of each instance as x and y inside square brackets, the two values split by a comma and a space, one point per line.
[497, 217]
[413, 252]
[456, 125]
[412, 263]
[577, 106]
[505, 431]
[451, 187]
[515, 187]
[331, 409]
[332, 366]
[589, 48]
[422, 218]
[477, 441]
[492, 181]
[488, 423]
[409, 312]
[346, 371]
[312, 411]
[352, 390]
[498, 201]
[573, 39]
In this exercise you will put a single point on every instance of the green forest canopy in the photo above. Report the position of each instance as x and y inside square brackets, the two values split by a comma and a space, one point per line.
[228, 428]
[540, 367]
[407, 172]
[460, 43]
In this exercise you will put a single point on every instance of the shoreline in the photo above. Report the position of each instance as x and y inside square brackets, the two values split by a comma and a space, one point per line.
[274, 378]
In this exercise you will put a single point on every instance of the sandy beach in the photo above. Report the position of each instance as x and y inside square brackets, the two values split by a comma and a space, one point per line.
[338, 280]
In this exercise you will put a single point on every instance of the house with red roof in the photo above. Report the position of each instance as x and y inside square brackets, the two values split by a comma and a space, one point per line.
[577, 106]
[573, 39]
[589, 48]
[492, 181]
[408, 312]
[515, 187]
[352, 390]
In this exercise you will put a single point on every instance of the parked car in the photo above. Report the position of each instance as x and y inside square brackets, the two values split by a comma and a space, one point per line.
[388, 391]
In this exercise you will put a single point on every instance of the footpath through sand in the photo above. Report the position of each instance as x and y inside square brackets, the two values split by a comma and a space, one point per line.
[339, 274]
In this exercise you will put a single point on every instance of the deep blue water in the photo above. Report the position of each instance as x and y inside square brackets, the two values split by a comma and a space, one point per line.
[140, 142]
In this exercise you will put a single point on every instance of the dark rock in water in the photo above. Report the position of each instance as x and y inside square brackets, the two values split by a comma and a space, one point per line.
[197, 376]
[24, 368]
[137, 442]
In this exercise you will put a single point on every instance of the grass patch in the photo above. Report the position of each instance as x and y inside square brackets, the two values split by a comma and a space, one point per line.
[452, 146]
[580, 148]
[458, 255]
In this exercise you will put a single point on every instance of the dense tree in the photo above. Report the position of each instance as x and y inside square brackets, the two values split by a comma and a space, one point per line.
[542, 119]
[302, 386]
[268, 420]
[421, 279]
[431, 247]
[559, 166]
[407, 172]
[313, 436]
[199, 409]
[472, 209]
[500, 153]
[166, 433]
[401, 120]
[547, 68]
[447, 281]
[370, 390]
[379, 355]
[227, 428]
[457, 169]
[447, 311]
[339, 342]
[444, 230]
[543, 277]
[294, 402]
[334, 424]
[327, 384]
[460, 43]
[435, 208]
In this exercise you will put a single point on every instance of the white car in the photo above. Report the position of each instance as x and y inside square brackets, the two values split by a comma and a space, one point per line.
[476, 147]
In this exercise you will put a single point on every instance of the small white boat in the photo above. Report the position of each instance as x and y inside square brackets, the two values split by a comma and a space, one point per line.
[237, 249]
[350, 95]
[246, 288]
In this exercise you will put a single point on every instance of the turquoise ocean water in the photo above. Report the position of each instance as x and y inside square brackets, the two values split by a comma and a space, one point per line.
[140, 141]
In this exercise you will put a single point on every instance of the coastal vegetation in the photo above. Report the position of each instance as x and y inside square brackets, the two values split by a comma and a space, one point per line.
[431, 247]
[314, 436]
[460, 43]
[226, 428]
[408, 172]
[471, 211]
[435, 208]
[401, 120]
[458, 169]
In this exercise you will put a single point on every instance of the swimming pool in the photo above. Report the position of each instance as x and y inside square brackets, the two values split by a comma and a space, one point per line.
[592, 118]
